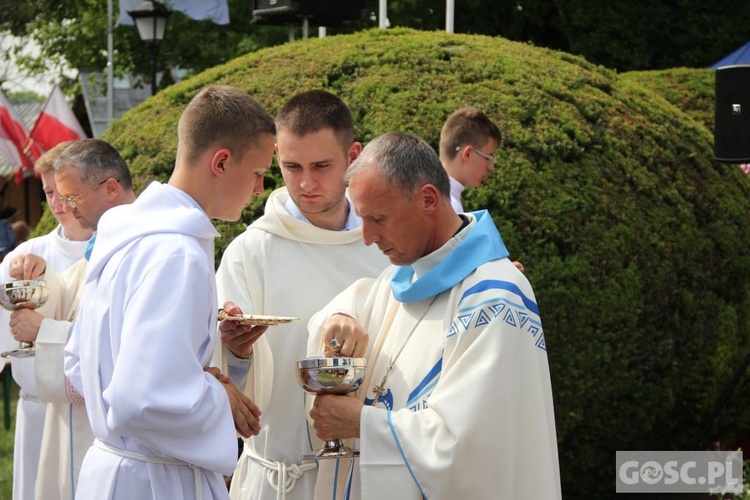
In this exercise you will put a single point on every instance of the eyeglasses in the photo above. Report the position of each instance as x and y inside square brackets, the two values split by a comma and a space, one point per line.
[487, 157]
[71, 201]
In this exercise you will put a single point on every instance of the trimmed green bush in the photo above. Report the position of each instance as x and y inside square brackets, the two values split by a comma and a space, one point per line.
[635, 240]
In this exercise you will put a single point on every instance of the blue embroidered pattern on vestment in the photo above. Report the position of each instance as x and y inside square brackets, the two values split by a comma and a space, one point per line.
[523, 315]
[486, 285]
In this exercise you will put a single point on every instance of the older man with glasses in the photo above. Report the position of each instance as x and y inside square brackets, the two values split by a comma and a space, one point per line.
[62, 248]
[91, 177]
[93, 181]
[71, 201]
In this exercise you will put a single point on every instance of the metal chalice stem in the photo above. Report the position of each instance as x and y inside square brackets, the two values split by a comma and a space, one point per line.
[336, 375]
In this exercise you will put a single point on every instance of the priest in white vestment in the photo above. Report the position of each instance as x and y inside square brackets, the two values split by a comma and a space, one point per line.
[61, 248]
[165, 424]
[67, 432]
[457, 401]
[304, 250]
[91, 177]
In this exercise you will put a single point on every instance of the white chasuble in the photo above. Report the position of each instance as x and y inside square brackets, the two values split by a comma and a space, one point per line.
[466, 411]
[67, 434]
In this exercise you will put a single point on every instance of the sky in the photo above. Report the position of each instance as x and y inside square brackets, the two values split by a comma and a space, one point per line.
[14, 78]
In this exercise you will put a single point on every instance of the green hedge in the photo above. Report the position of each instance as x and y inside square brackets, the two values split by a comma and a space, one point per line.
[634, 239]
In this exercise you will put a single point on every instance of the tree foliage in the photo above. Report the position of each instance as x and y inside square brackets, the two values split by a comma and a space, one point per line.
[633, 35]
[73, 33]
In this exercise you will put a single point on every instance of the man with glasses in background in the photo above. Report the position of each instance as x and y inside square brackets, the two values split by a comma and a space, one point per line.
[468, 141]
[62, 248]
[91, 177]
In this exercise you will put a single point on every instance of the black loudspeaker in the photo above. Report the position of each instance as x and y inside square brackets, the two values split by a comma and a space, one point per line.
[317, 12]
[732, 114]
[268, 6]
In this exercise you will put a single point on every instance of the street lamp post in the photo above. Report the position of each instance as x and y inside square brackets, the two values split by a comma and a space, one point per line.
[151, 20]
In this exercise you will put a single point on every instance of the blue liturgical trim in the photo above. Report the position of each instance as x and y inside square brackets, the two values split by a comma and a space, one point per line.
[403, 456]
[427, 383]
[502, 285]
[72, 457]
[89, 247]
[482, 244]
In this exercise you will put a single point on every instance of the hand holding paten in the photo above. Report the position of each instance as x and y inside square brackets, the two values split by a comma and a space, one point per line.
[236, 336]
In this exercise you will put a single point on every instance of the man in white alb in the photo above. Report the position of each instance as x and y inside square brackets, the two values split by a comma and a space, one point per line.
[305, 249]
[468, 141]
[62, 248]
[91, 177]
[165, 422]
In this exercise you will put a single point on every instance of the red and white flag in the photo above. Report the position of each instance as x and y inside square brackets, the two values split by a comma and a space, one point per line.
[13, 136]
[56, 123]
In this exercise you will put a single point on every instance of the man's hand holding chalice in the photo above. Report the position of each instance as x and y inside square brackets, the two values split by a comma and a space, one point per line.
[21, 296]
[338, 374]
[25, 323]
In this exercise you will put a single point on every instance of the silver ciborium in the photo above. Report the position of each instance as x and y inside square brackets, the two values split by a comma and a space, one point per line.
[21, 294]
[337, 375]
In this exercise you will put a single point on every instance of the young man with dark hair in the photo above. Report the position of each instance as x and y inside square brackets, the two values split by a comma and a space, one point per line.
[304, 250]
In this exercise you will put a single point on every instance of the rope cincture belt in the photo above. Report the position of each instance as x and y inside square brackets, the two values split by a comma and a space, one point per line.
[28, 397]
[281, 476]
[155, 460]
